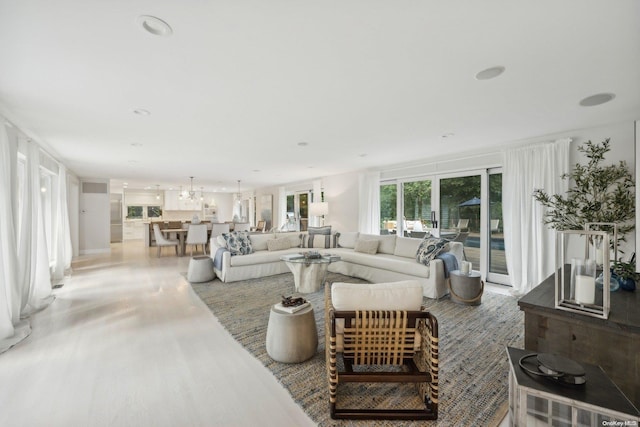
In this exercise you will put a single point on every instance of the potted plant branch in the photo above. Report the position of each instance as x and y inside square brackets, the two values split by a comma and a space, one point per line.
[626, 273]
[599, 194]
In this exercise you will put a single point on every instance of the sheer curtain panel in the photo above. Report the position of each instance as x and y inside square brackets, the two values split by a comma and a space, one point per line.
[12, 330]
[529, 243]
[369, 209]
[61, 228]
[32, 245]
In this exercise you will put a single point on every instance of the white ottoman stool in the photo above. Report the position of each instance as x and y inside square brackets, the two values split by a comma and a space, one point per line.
[200, 269]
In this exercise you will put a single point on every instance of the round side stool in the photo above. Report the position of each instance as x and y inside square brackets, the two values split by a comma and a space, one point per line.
[292, 338]
[465, 289]
[200, 269]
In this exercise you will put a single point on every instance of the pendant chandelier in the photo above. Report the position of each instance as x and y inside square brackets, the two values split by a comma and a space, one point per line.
[239, 194]
[189, 195]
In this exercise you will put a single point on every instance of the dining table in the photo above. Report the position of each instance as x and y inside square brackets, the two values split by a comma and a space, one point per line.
[181, 234]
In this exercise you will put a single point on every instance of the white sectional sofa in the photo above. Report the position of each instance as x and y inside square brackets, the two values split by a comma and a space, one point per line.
[394, 260]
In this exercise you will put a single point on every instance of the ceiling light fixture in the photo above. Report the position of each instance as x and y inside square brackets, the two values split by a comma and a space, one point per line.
[597, 99]
[154, 25]
[238, 194]
[141, 112]
[490, 73]
[303, 144]
[190, 195]
[201, 194]
[157, 192]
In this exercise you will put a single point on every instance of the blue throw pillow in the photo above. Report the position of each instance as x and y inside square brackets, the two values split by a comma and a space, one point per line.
[429, 248]
[238, 243]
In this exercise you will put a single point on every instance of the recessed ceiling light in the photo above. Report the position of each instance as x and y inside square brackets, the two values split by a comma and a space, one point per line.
[136, 144]
[141, 112]
[256, 170]
[155, 26]
[490, 73]
[362, 155]
[303, 144]
[309, 167]
[448, 135]
[600, 98]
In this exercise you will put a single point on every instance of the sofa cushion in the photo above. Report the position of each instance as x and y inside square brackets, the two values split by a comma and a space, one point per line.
[261, 257]
[278, 244]
[319, 241]
[429, 248]
[259, 241]
[348, 239]
[367, 246]
[403, 295]
[387, 243]
[385, 262]
[238, 243]
[295, 238]
[406, 247]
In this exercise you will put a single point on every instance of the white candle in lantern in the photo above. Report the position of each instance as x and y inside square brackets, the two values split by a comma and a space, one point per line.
[585, 289]
[464, 267]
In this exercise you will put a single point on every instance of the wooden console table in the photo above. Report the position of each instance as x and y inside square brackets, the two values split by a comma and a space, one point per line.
[614, 343]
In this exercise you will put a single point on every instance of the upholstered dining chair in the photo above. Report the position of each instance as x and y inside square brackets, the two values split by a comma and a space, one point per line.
[242, 226]
[260, 226]
[163, 241]
[197, 235]
[382, 329]
[218, 228]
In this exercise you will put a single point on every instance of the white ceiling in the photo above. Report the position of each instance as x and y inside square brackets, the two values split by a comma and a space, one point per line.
[364, 82]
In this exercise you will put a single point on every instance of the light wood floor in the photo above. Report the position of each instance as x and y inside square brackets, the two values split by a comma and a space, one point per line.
[127, 343]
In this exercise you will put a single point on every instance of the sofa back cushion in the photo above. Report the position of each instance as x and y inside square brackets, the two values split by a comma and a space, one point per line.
[348, 239]
[295, 238]
[319, 241]
[403, 295]
[367, 246]
[278, 244]
[406, 247]
[387, 243]
[259, 241]
[326, 230]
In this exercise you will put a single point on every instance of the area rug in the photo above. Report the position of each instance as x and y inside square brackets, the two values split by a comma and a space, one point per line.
[473, 340]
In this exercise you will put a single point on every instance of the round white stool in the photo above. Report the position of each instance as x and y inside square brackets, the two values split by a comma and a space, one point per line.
[200, 269]
[292, 338]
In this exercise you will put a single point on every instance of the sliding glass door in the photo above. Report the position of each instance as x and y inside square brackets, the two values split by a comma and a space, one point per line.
[466, 207]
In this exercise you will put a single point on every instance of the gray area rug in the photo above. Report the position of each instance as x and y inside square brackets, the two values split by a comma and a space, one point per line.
[473, 360]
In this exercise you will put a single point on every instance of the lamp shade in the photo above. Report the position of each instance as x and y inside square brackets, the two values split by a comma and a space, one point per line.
[318, 208]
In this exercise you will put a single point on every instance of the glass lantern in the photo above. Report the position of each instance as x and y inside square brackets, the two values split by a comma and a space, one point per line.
[577, 262]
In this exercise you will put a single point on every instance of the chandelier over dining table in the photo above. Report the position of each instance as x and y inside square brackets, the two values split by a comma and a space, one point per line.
[189, 195]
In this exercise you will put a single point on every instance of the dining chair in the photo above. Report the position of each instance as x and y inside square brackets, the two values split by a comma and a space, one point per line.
[163, 241]
[242, 226]
[219, 228]
[197, 235]
[260, 226]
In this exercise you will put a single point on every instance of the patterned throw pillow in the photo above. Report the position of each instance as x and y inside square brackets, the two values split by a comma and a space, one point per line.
[429, 248]
[238, 243]
[320, 238]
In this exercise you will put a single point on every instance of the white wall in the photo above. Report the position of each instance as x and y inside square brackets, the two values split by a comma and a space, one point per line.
[341, 193]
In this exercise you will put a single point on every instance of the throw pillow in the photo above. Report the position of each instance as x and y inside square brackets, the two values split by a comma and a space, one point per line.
[319, 241]
[278, 244]
[429, 248]
[326, 230]
[367, 246]
[238, 243]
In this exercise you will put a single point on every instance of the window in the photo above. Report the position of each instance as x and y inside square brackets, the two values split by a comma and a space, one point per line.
[154, 211]
[134, 212]
[388, 208]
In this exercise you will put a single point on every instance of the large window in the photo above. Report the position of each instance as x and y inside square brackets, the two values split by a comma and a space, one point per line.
[388, 208]
[467, 207]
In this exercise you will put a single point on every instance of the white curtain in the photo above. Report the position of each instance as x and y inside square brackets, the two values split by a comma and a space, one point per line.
[529, 243]
[369, 209]
[12, 330]
[32, 245]
[282, 208]
[62, 230]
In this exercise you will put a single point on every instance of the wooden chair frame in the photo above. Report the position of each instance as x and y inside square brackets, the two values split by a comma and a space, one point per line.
[383, 338]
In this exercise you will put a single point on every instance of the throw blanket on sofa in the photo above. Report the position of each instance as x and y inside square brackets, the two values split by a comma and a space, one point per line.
[449, 260]
[217, 260]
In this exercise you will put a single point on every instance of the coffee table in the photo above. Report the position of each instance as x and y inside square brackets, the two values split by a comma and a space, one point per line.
[308, 273]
